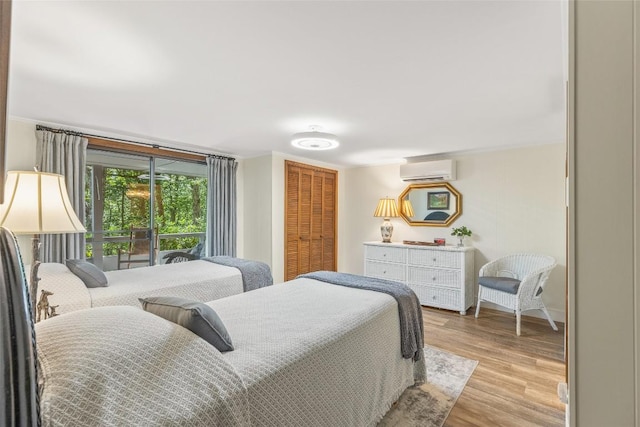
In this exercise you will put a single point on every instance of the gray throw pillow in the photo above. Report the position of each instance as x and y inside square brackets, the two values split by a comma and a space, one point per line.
[199, 318]
[91, 275]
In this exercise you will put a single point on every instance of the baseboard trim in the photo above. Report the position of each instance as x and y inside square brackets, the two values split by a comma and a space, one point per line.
[556, 315]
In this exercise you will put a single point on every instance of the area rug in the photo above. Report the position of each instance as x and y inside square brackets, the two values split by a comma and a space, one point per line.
[429, 404]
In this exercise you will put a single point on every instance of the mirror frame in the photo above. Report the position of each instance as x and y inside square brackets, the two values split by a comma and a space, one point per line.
[424, 223]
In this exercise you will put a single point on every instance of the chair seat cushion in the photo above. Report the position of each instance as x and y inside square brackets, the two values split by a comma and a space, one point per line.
[504, 284]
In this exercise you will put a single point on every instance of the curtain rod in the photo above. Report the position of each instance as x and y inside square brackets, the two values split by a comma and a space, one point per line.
[70, 132]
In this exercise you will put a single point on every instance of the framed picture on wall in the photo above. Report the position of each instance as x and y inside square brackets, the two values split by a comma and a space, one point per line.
[438, 200]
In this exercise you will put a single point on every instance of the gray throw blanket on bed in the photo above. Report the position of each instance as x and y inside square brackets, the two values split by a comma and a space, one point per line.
[255, 274]
[409, 309]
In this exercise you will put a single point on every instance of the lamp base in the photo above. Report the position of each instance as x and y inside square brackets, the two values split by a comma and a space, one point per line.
[34, 279]
[386, 229]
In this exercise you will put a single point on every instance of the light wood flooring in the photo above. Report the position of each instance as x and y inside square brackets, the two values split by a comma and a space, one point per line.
[515, 383]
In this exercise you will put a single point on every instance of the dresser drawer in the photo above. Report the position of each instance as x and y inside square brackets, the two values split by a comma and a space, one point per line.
[435, 296]
[385, 270]
[390, 254]
[434, 276]
[433, 258]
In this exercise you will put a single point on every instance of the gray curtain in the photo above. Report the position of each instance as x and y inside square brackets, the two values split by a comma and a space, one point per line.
[64, 154]
[221, 206]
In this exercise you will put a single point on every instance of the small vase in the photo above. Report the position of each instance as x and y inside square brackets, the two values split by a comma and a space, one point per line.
[460, 241]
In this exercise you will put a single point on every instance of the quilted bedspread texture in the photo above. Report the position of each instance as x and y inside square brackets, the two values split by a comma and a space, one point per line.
[307, 353]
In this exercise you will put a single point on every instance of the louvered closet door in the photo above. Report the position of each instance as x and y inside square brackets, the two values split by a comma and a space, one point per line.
[310, 211]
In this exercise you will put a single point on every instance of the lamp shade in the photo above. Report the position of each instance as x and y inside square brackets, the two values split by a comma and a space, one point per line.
[387, 208]
[407, 208]
[38, 203]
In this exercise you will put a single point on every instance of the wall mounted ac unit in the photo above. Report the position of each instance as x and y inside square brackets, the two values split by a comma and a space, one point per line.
[437, 170]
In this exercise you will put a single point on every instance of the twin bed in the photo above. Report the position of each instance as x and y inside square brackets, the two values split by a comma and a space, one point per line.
[197, 280]
[306, 353]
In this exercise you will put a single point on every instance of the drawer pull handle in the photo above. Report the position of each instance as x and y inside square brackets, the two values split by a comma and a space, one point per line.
[434, 260]
[384, 272]
[434, 297]
[434, 278]
[384, 255]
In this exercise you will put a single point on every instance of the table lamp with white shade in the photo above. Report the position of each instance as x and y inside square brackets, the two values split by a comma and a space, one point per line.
[37, 203]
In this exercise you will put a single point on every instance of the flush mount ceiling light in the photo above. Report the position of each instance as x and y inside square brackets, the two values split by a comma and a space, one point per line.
[315, 140]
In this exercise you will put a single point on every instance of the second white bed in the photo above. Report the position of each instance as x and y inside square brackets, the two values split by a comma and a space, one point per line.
[196, 280]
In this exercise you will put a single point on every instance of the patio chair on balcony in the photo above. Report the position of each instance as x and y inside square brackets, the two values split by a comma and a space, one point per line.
[137, 251]
[182, 256]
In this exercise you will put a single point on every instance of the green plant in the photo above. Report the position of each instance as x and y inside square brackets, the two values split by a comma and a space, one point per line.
[461, 231]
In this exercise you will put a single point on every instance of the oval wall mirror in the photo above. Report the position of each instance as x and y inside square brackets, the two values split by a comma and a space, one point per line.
[432, 204]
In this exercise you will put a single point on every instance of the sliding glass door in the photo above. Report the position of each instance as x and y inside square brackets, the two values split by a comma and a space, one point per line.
[139, 208]
[181, 208]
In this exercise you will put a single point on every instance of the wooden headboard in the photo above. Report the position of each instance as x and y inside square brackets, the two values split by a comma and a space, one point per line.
[20, 405]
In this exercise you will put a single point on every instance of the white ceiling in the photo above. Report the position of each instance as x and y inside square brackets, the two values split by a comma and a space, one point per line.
[392, 79]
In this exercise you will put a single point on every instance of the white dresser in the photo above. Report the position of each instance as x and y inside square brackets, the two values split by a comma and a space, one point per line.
[441, 276]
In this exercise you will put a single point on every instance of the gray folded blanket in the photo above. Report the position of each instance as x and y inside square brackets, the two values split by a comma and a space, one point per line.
[255, 274]
[409, 309]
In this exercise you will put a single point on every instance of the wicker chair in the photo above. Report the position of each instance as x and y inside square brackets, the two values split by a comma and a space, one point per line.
[516, 281]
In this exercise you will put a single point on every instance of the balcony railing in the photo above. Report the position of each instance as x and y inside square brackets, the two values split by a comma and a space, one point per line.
[108, 262]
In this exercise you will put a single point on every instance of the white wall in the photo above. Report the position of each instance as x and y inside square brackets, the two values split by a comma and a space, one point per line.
[513, 201]
[257, 199]
[21, 155]
[277, 212]
[21, 145]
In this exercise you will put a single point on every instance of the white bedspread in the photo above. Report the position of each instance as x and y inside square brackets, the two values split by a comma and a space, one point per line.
[197, 280]
[69, 292]
[121, 366]
[315, 354]
[307, 353]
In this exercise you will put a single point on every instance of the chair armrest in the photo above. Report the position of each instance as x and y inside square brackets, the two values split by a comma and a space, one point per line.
[535, 279]
[490, 269]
